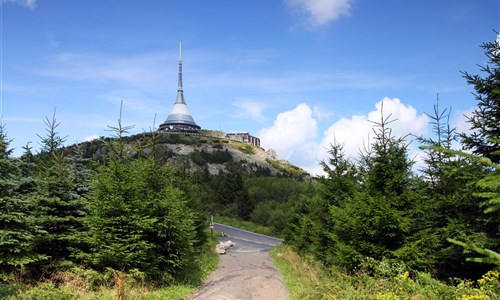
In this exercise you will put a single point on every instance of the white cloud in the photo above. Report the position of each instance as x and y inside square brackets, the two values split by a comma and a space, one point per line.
[31, 4]
[408, 121]
[291, 131]
[356, 132]
[321, 113]
[293, 134]
[459, 121]
[321, 12]
[250, 109]
[90, 138]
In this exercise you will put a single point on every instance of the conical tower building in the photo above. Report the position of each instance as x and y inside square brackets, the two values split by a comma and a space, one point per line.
[179, 118]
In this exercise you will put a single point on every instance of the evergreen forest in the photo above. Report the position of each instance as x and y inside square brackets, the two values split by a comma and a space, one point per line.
[117, 206]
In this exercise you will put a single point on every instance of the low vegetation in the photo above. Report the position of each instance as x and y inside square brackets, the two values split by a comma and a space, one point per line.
[377, 280]
[247, 149]
[202, 158]
[288, 168]
[80, 283]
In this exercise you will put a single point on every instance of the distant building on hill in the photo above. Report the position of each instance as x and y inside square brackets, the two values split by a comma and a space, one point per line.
[179, 118]
[244, 137]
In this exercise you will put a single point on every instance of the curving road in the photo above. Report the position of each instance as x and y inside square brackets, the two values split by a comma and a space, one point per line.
[246, 241]
[246, 272]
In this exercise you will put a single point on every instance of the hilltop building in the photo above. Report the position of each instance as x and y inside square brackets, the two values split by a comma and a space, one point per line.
[179, 117]
[244, 137]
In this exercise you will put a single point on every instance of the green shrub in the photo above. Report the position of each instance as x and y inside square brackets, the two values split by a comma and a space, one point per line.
[197, 157]
[247, 149]
[201, 158]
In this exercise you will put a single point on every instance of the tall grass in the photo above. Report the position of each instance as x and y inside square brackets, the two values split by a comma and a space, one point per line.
[306, 279]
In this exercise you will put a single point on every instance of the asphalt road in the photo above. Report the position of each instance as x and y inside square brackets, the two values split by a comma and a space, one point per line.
[246, 272]
[246, 241]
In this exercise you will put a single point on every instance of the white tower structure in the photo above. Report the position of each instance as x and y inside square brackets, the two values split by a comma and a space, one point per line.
[179, 118]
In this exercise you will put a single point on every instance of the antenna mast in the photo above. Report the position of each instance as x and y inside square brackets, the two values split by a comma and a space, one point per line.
[180, 68]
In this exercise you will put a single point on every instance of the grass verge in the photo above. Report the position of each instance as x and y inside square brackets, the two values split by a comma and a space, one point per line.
[306, 279]
[302, 280]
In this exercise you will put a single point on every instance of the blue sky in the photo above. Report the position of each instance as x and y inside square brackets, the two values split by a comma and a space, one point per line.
[296, 73]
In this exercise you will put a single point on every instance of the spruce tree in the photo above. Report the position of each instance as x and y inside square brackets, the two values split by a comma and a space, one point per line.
[116, 224]
[179, 231]
[79, 171]
[173, 234]
[449, 206]
[375, 221]
[58, 209]
[28, 170]
[479, 234]
[138, 217]
[388, 168]
[180, 180]
[17, 230]
[336, 188]
[444, 137]
[485, 120]
[233, 196]
[305, 230]
[340, 180]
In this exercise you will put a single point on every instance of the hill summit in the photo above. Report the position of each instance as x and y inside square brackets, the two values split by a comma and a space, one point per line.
[201, 151]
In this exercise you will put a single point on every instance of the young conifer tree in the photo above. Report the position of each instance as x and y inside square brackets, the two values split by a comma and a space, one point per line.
[449, 206]
[177, 234]
[17, 231]
[116, 222]
[177, 179]
[490, 190]
[337, 188]
[375, 221]
[58, 210]
[79, 171]
[485, 120]
[138, 217]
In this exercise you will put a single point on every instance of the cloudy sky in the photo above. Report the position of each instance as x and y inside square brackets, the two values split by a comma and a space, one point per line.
[296, 73]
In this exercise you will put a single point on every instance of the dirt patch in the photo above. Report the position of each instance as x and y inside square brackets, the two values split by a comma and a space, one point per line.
[245, 276]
